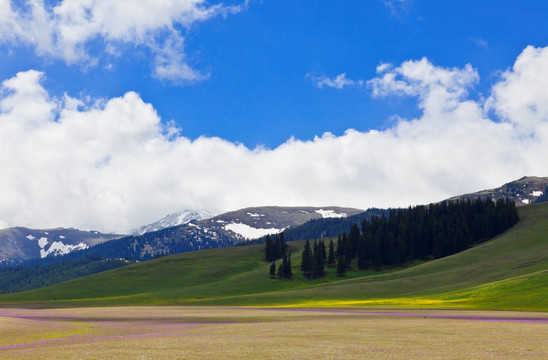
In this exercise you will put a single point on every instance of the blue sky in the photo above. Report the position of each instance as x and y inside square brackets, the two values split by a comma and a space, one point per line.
[262, 77]
[257, 62]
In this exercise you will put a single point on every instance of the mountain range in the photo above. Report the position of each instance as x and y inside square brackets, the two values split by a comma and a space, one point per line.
[192, 230]
[219, 231]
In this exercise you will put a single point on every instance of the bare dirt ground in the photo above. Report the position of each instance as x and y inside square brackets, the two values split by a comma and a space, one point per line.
[250, 333]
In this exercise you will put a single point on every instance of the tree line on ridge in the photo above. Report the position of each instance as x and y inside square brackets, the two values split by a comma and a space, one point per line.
[423, 232]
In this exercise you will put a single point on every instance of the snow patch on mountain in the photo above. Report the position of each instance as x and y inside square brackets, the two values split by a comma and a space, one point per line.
[537, 193]
[254, 215]
[58, 248]
[330, 214]
[43, 241]
[175, 219]
[249, 232]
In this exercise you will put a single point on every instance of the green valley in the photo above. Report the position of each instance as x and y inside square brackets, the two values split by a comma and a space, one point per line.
[509, 272]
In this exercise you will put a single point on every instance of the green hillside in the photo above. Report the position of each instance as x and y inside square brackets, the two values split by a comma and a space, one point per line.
[508, 272]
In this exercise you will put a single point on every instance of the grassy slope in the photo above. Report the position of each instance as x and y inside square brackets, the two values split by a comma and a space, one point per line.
[509, 272]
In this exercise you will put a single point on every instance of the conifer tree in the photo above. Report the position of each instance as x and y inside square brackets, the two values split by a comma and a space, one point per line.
[281, 271]
[341, 265]
[277, 248]
[331, 256]
[340, 246]
[273, 269]
[321, 249]
[362, 252]
[306, 258]
[283, 246]
[353, 239]
[318, 267]
[348, 254]
[288, 273]
[269, 248]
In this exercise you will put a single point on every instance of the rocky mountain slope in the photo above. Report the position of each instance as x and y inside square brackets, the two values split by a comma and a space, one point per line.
[19, 243]
[525, 191]
[252, 223]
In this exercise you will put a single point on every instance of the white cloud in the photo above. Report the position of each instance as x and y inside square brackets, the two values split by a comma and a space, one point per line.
[438, 89]
[521, 98]
[113, 165]
[170, 63]
[338, 82]
[397, 7]
[67, 29]
[481, 43]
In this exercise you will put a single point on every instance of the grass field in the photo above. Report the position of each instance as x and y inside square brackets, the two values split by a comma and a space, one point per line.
[431, 310]
[238, 333]
[509, 272]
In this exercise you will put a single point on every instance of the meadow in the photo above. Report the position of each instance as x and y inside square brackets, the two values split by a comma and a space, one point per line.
[490, 301]
[509, 272]
[173, 332]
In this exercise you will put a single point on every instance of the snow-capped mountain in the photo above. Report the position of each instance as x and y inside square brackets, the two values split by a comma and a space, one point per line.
[174, 219]
[253, 223]
[21, 243]
[219, 231]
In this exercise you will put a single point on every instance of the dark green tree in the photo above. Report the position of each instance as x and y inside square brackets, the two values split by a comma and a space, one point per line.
[340, 246]
[269, 249]
[331, 255]
[318, 263]
[273, 270]
[288, 273]
[283, 246]
[306, 258]
[341, 265]
[281, 273]
[348, 254]
[353, 239]
[321, 249]
[277, 247]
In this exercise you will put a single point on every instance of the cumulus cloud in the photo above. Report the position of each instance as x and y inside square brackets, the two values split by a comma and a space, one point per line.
[67, 29]
[521, 98]
[339, 82]
[438, 89]
[112, 164]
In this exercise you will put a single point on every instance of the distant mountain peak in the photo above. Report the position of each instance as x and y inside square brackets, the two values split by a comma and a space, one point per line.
[174, 219]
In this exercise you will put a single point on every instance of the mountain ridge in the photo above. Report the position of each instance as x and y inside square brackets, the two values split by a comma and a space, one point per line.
[21, 243]
[174, 219]
[223, 230]
[524, 191]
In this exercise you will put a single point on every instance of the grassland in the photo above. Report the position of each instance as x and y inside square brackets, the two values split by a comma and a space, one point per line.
[509, 272]
[398, 313]
[234, 333]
